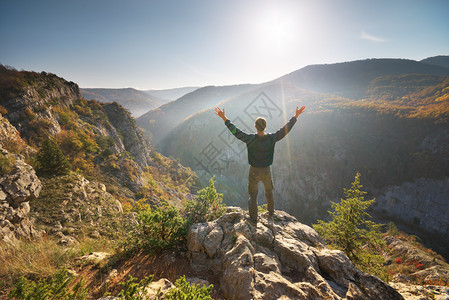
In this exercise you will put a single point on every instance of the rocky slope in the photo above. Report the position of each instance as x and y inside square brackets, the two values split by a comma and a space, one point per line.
[18, 186]
[71, 206]
[100, 140]
[280, 258]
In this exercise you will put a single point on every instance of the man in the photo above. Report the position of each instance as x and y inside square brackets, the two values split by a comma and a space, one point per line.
[260, 148]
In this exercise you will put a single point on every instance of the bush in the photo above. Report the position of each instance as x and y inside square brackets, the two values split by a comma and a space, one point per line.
[50, 160]
[207, 205]
[134, 290]
[3, 110]
[54, 287]
[7, 163]
[185, 290]
[159, 229]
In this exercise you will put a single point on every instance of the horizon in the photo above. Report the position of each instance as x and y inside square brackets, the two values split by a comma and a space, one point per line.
[165, 45]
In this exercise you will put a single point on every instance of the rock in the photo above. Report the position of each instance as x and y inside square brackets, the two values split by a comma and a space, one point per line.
[75, 204]
[19, 186]
[422, 202]
[67, 241]
[198, 282]
[94, 257]
[418, 292]
[212, 241]
[156, 289]
[279, 259]
[402, 278]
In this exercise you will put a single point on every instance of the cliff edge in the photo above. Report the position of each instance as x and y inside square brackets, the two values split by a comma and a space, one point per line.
[280, 258]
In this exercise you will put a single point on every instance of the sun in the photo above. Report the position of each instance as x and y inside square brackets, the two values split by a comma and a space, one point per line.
[275, 28]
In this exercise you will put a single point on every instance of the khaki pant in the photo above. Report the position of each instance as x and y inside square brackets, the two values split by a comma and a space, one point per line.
[255, 175]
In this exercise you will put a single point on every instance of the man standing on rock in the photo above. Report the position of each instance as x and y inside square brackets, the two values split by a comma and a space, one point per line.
[260, 148]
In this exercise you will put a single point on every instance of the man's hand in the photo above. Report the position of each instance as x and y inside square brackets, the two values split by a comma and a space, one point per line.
[220, 113]
[298, 111]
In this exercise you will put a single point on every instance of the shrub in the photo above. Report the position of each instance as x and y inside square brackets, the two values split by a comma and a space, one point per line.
[185, 290]
[158, 229]
[50, 160]
[54, 287]
[206, 206]
[134, 290]
[3, 110]
[7, 163]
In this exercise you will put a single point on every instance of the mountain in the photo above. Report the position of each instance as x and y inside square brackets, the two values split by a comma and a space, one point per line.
[158, 122]
[440, 60]
[350, 79]
[395, 132]
[168, 95]
[100, 140]
[137, 102]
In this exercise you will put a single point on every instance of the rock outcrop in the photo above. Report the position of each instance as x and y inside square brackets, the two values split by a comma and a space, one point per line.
[278, 258]
[18, 186]
[422, 202]
[421, 292]
[133, 140]
[33, 100]
[71, 204]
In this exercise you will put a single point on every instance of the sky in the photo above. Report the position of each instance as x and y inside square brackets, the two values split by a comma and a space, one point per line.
[164, 44]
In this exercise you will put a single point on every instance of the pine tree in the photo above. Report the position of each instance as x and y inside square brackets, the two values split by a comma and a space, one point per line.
[50, 160]
[350, 229]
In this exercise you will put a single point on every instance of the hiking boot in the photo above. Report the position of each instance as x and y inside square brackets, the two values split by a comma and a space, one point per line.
[252, 221]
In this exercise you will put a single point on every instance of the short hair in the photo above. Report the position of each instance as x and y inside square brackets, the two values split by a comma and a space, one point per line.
[261, 124]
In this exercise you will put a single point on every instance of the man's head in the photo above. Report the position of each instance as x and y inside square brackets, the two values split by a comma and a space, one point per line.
[261, 124]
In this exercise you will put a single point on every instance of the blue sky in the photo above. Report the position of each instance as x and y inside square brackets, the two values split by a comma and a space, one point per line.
[167, 44]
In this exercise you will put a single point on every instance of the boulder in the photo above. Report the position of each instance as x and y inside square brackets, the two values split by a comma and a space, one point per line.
[279, 258]
[18, 186]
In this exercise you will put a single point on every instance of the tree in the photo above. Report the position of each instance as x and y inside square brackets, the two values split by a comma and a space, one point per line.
[206, 206]
[50, 160]
[350, 229]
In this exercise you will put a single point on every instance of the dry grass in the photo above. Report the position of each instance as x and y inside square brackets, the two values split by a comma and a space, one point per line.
[41, 258]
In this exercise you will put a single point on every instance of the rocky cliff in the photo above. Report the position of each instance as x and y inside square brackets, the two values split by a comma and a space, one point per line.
[278, 258]
[29, 96]
[422, 202]
[133, 140]
[18, 186]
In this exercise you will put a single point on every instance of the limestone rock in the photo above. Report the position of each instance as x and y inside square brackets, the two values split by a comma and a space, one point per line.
[156, 289]
[17, 188]
[279, 259]
[420, 292]
[70, 204]
[94, 257]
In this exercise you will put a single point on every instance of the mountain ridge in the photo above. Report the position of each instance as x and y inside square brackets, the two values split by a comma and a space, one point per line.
[137, 102]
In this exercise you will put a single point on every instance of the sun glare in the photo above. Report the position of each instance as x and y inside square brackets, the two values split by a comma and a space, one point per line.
[275, 28]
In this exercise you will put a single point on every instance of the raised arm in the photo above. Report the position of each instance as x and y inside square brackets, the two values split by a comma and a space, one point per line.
[298, 111]
[281, 133]
[244, 137]
[220, 113]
